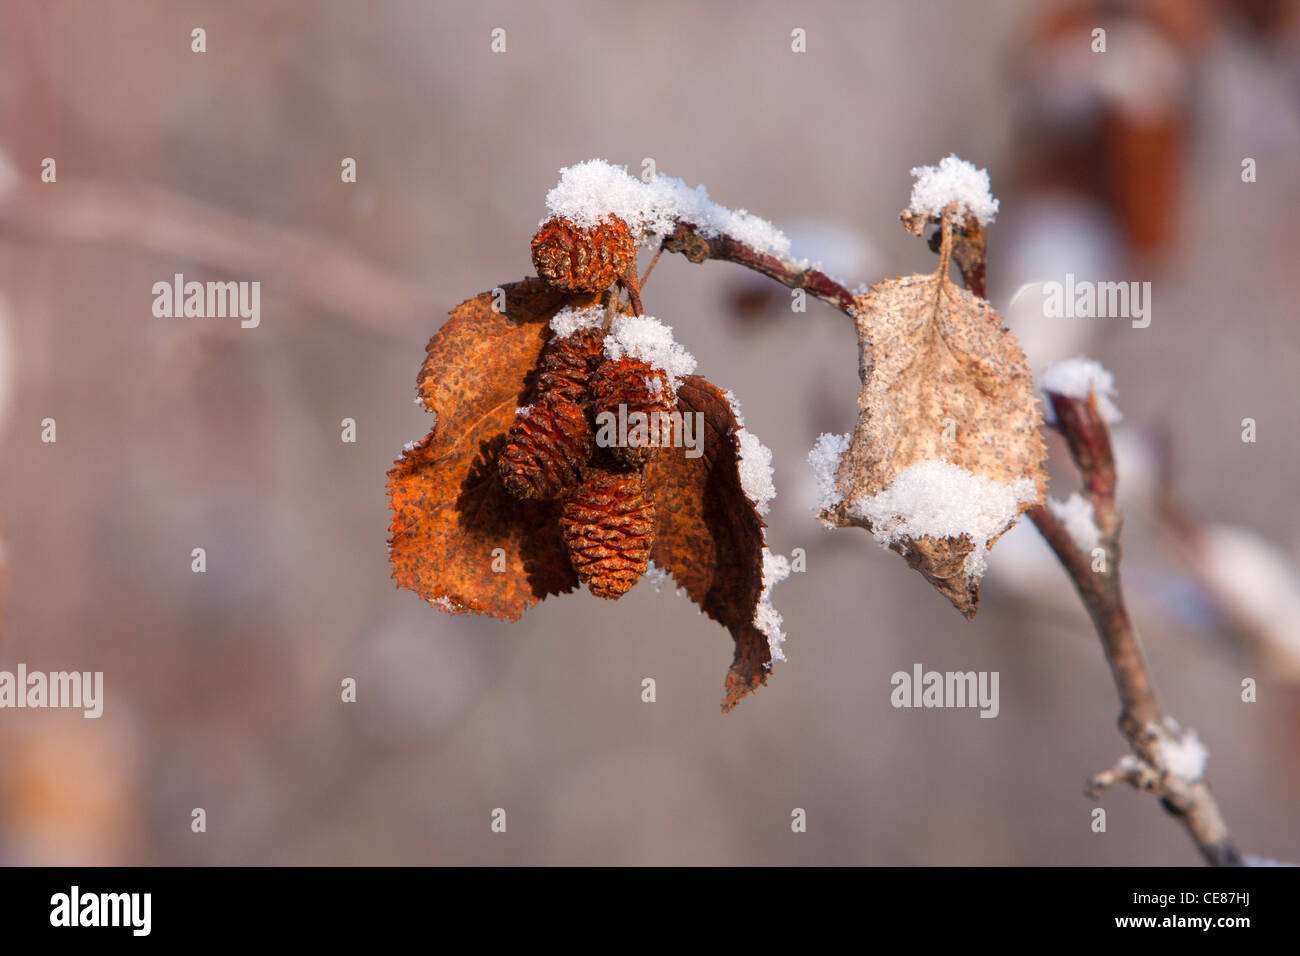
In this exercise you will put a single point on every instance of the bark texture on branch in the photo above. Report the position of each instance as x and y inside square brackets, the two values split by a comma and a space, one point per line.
[687, 241]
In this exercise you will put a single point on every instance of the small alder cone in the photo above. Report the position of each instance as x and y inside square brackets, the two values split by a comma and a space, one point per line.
[608, 527]
[546, 449]
[567, 364]
[639, 388]
[578, 259]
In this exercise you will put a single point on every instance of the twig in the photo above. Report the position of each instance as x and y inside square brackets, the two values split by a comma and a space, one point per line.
[651, 267]
[629, 281]
[1150, 733]
[686, 240]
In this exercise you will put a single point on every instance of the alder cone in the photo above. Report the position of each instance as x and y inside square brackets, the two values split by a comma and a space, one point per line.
[567, 364]
[546, 449]
[639, 387]
[608, 526]
[579, 259]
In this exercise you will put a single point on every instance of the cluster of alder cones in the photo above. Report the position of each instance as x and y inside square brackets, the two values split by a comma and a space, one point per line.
[607, 518]
[546, 490]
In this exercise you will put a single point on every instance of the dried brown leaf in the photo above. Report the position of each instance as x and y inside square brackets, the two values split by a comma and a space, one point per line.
[450, 509]
[709, 535]
[942, 381]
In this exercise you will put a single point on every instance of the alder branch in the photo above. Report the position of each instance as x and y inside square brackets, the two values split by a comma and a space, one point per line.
[687, 241]
[1150, 732]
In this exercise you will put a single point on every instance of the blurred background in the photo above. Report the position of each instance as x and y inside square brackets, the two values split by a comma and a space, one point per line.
[222, 689]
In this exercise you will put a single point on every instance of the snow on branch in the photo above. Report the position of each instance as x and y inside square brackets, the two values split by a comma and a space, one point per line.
[1079, 378]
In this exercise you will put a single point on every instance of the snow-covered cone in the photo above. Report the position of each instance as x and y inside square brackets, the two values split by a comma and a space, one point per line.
[581, 259]
[608, 527]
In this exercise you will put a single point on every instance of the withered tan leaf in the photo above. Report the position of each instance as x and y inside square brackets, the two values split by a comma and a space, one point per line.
[943, 381]
[450, 508]
[708, 534]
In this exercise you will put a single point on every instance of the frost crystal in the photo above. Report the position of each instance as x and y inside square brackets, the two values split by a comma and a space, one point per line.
[825, 460]
[1181, 752]
[953, 181]
[568, 320]
[590, 191]
[658, 577]
[941, 500]
[648, 339]
[755, 464]
[754, 461]
[776, 568]
[1079, 378]
[1079, 519]
[730, 396]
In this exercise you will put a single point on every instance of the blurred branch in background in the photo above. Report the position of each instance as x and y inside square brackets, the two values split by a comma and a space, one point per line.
[1251, 585]
[320, 273]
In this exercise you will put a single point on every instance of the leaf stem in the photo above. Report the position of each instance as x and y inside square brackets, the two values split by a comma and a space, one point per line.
[651, 267]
